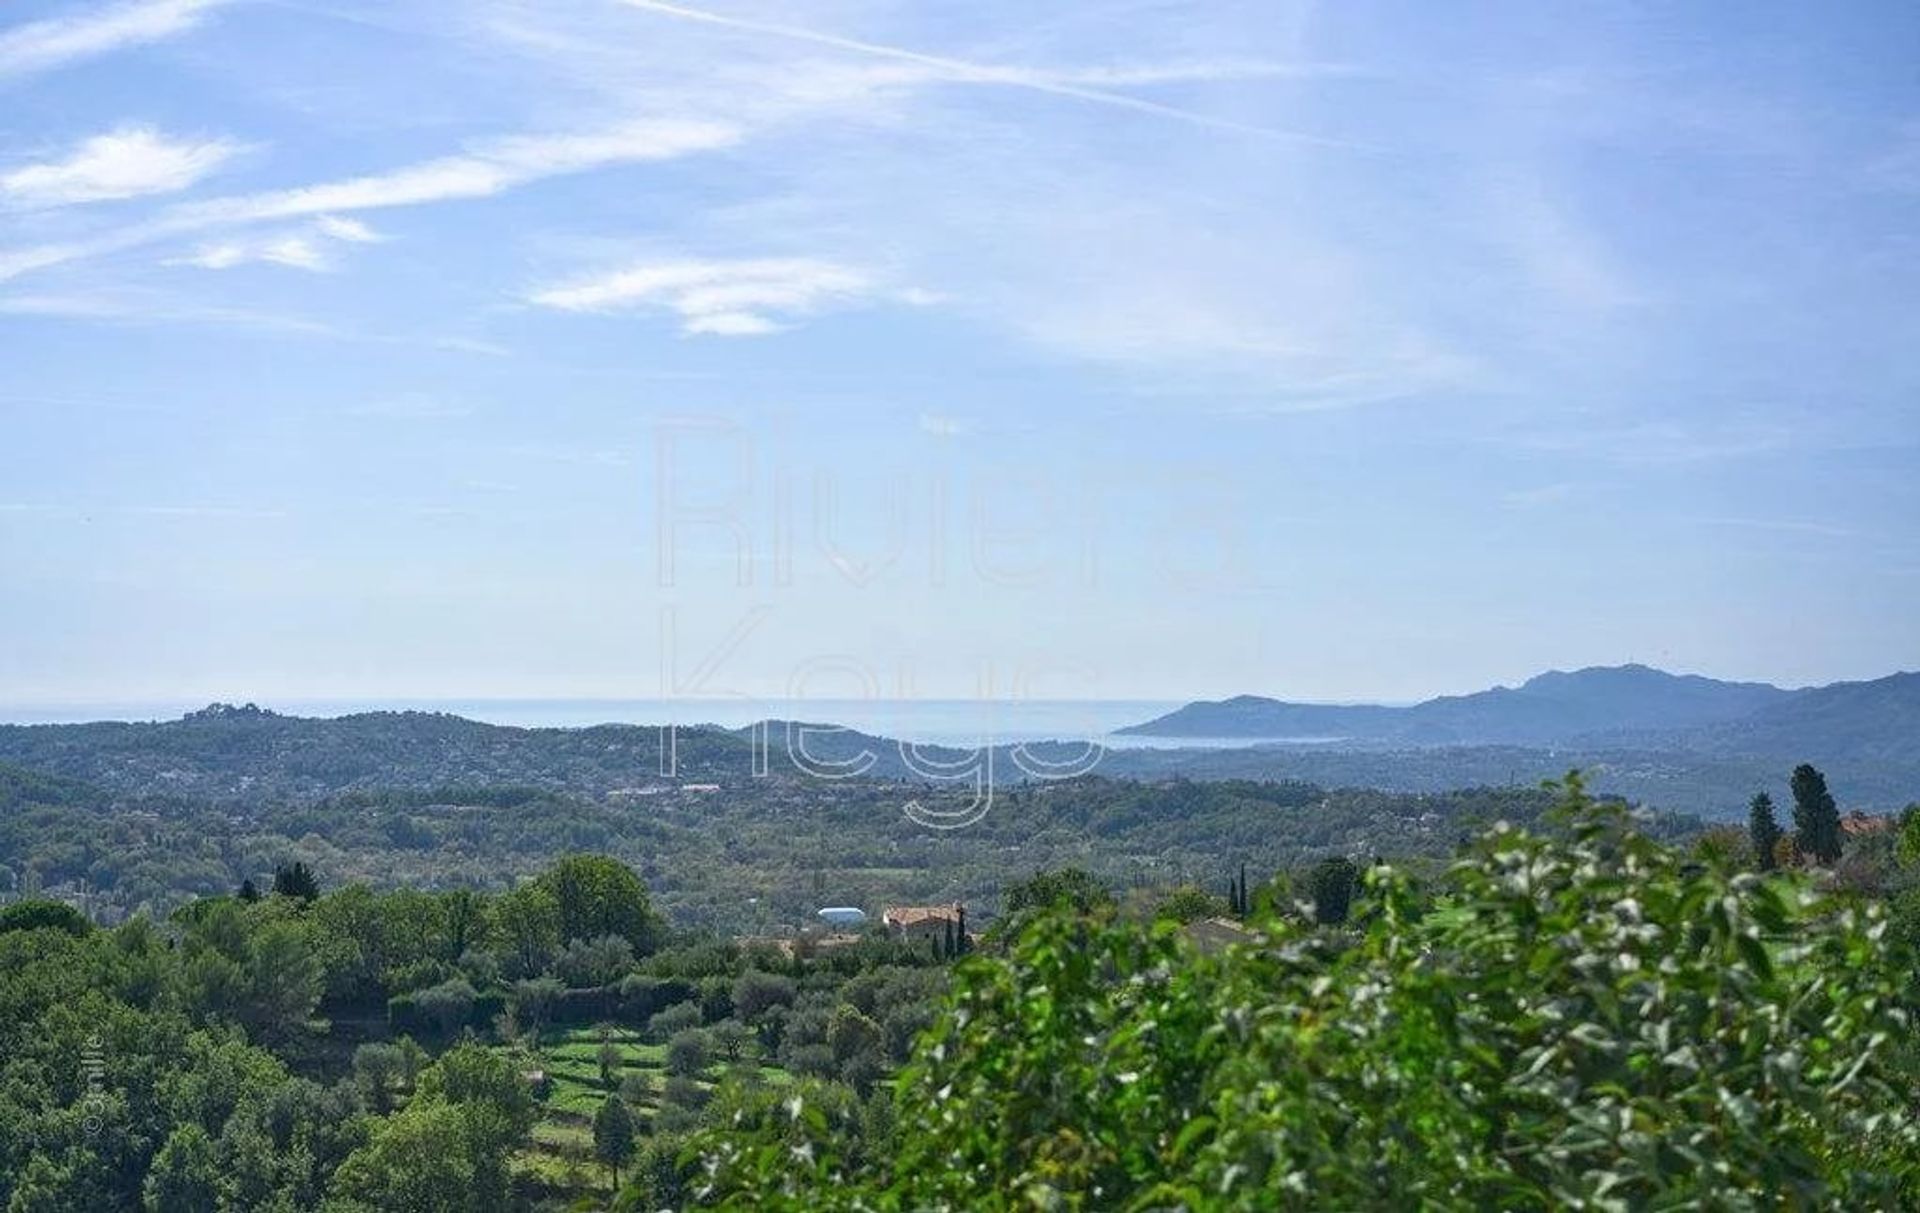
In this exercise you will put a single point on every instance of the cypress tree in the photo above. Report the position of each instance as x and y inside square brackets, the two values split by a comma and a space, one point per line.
[1764, 830]
[1332, 884]
[1816, 818]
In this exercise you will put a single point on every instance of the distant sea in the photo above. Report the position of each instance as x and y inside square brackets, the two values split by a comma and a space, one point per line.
[964, 723]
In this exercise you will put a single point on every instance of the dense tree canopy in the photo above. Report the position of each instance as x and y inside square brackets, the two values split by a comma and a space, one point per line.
[598, 896]
[34, 915]
[1073, 889]
[755, 857]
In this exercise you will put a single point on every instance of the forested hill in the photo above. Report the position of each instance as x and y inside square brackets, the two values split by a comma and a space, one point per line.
[746, 857]
[1867, 734]
[21, 788]
[225, 752]
[1853, 722]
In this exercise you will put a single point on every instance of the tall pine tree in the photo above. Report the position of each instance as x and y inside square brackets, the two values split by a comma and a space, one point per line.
[1764, 830]
[1816, 818]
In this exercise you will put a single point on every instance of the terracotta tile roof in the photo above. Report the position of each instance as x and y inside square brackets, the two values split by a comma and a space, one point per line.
[1857, 822]
[906, 916]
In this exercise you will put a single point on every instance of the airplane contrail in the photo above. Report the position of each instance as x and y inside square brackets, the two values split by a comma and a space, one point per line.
[981, 73]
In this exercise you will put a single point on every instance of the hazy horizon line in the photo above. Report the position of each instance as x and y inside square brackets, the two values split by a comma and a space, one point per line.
[27, 711]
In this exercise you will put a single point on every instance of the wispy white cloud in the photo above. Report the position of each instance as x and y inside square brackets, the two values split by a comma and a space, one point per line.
[485, 170]
[1207, 277]
[817, 82]
[1793, 526]
[295, 252]
[488, 169]
[471, 345]
[130, 162]
[1248, 305]
[1657, 443]
[1564, 259]
[730, 324]
[140, 307]
[1079, 87]
[726, 298]
[25, 260]
[300, 249]
[1188, 71]
[40, 45]
[132, 307]
[353, 231]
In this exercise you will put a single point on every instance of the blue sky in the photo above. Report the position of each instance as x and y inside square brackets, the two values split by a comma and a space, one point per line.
[361, 348]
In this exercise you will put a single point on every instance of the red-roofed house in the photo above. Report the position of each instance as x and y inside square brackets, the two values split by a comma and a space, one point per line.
[925, 922]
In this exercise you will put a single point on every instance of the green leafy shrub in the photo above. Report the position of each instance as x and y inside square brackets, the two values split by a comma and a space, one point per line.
[42, 916]
[1594, 1022]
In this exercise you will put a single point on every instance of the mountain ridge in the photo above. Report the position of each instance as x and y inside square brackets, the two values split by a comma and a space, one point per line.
[1556, 705]
[1638, 730]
